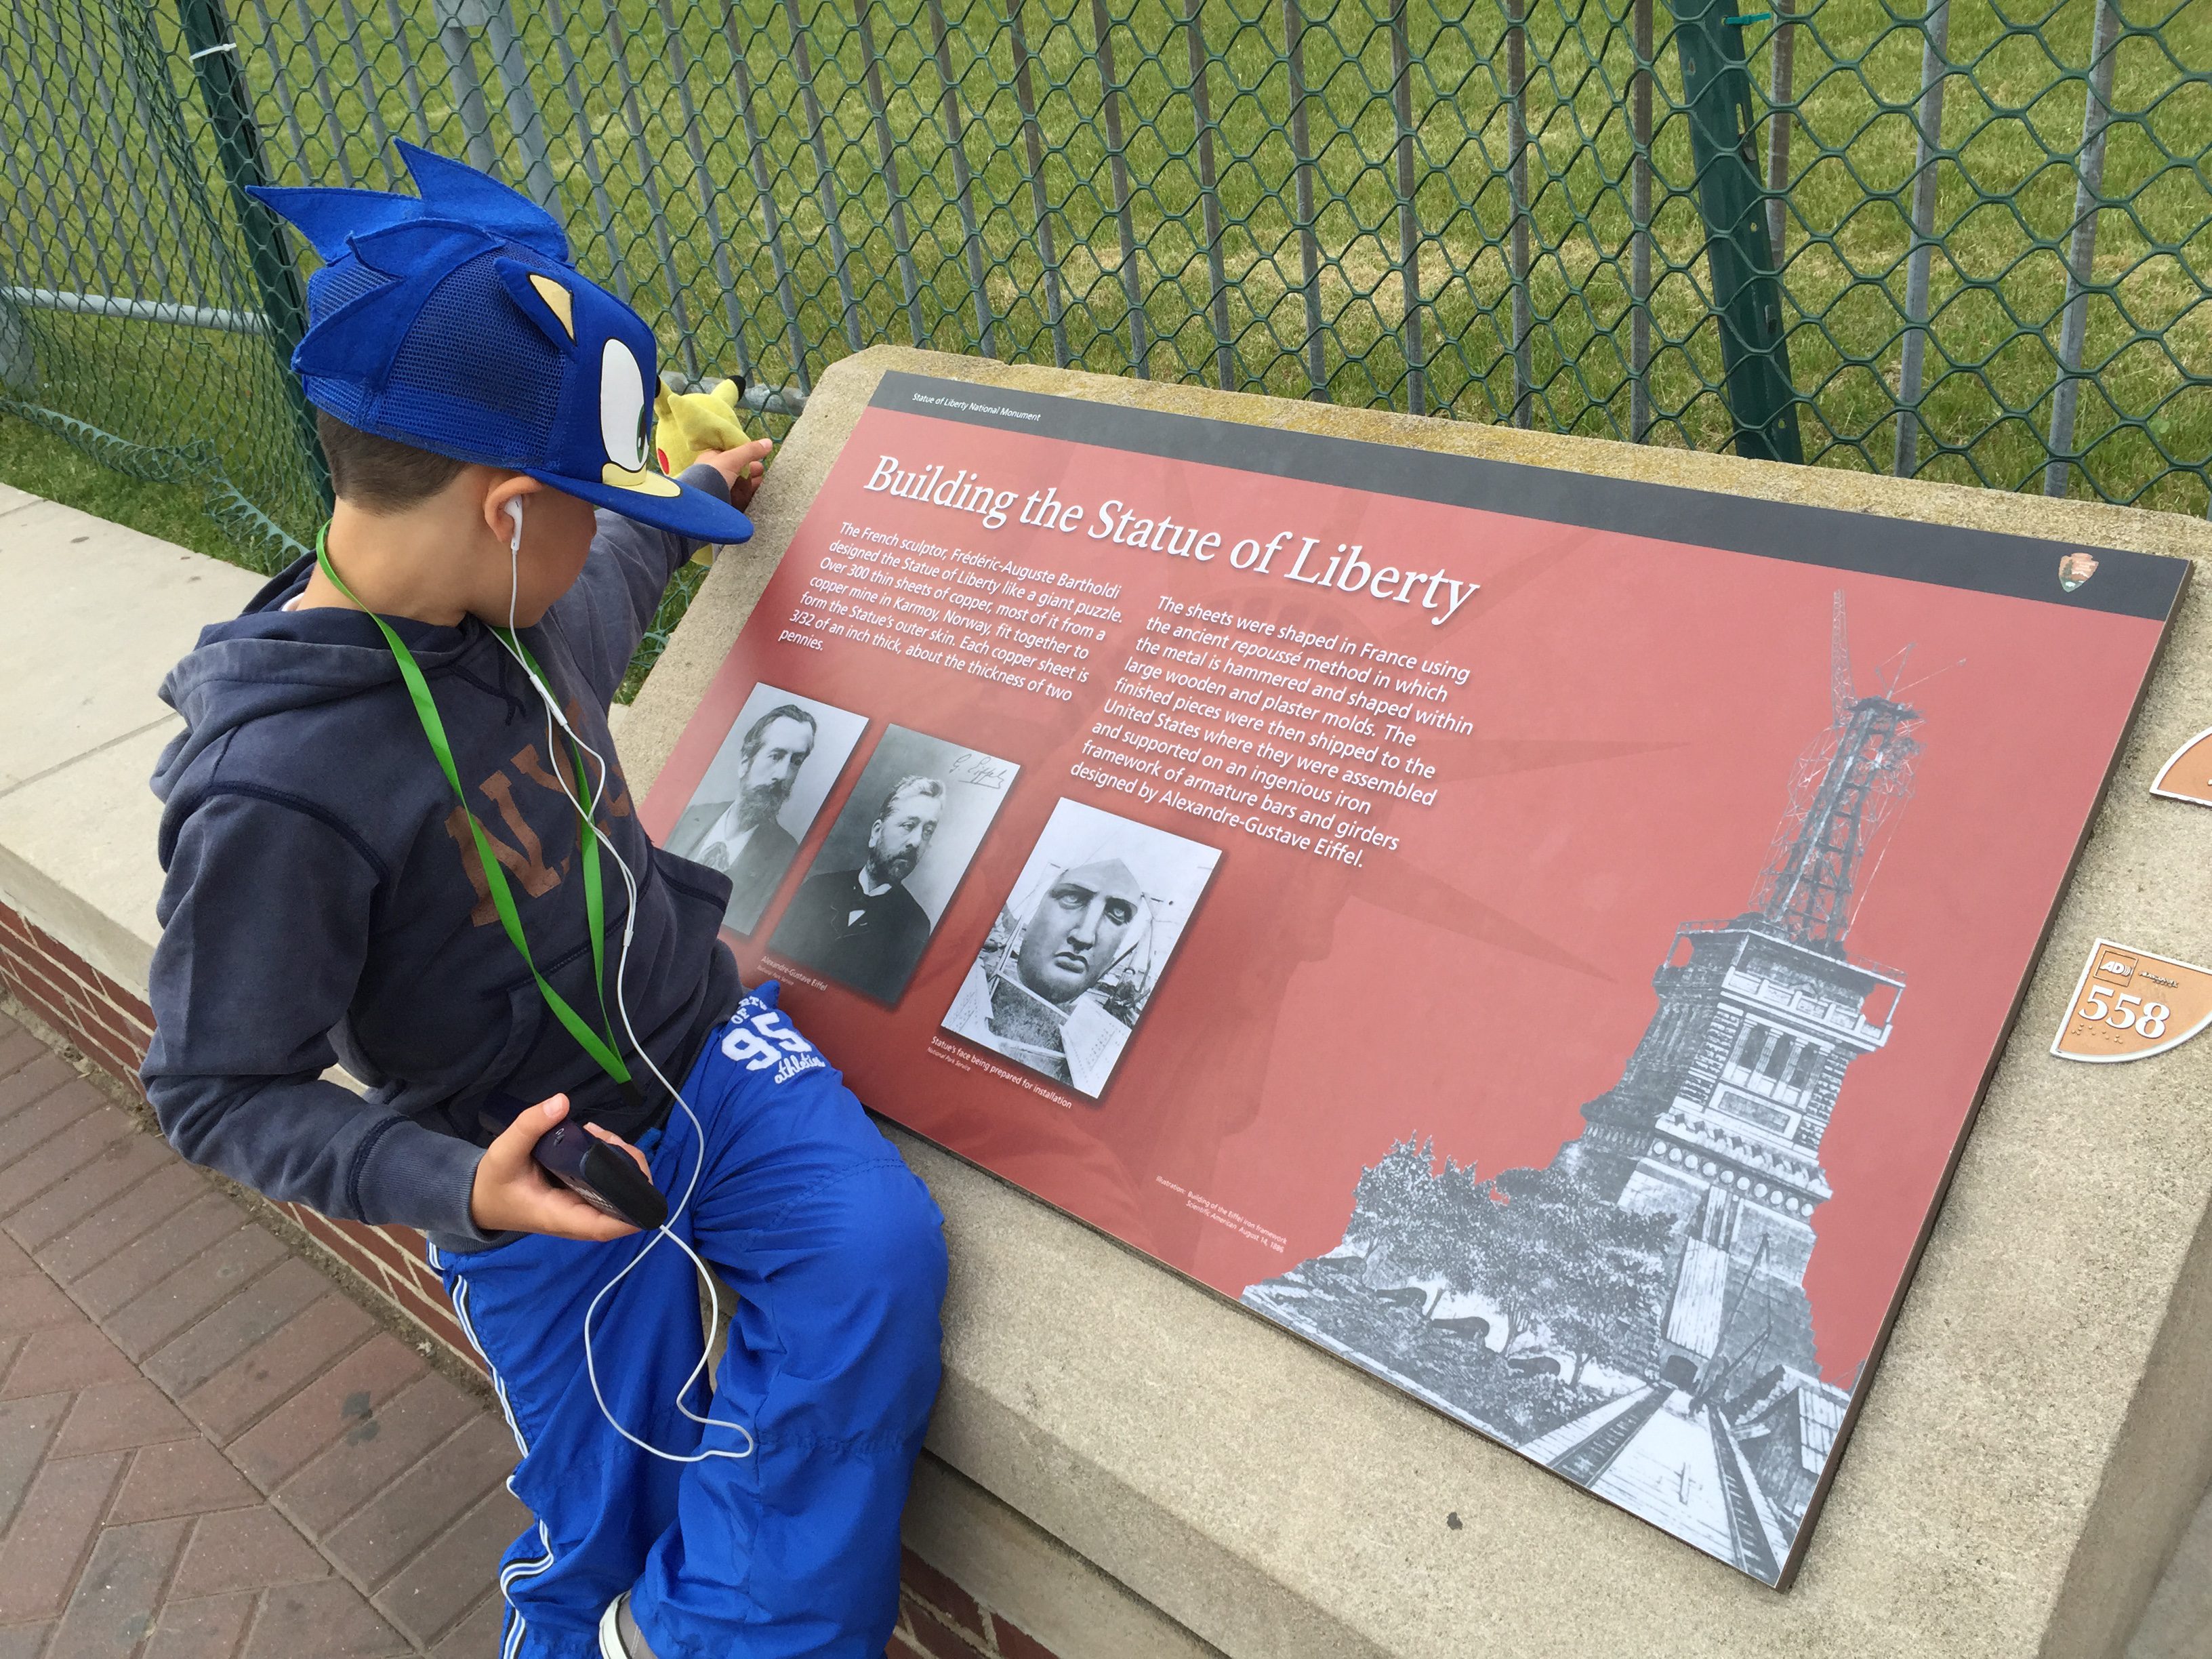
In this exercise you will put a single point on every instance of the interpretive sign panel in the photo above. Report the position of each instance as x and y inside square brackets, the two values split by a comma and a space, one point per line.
[1285, 852]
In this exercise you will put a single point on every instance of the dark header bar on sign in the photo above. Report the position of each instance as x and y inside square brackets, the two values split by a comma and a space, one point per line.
[2125, 584]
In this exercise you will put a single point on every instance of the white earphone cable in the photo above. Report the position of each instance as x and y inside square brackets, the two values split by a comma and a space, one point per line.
[598, 792]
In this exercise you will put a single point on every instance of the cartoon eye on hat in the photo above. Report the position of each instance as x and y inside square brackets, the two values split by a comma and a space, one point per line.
[625, 418]
[624, 411]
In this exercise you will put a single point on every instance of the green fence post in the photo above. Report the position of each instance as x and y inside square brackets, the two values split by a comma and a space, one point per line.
[1746, 291]
[1294, 61]
[1409, 223]
[213, 58]
[1640, 217]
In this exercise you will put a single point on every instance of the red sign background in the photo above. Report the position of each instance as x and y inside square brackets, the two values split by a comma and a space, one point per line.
[1639, 707]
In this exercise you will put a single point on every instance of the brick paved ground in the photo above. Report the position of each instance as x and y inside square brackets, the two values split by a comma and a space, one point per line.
[209, 1452]
[206, 1450]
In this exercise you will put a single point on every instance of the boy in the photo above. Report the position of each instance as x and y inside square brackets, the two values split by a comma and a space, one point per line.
[330, 895]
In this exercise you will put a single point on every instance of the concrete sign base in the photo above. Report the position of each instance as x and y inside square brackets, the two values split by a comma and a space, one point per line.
[2026, 1456]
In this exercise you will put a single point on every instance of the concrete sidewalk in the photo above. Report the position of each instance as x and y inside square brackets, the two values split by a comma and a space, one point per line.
[207, 1449]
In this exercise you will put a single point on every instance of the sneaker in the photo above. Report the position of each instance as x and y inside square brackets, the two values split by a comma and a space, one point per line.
[619, 1636]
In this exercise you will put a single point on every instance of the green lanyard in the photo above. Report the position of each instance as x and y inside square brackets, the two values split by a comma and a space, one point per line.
[600, 1048]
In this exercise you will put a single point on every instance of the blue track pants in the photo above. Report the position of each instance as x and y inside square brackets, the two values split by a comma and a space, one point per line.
[836, 1252]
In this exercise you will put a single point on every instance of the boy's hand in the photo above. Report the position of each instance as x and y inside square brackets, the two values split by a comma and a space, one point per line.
[511, 1194]
[743, 466]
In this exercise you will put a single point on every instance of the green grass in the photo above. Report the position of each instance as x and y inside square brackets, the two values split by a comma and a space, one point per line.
[48, 465]
[711, 210]
[675, 229]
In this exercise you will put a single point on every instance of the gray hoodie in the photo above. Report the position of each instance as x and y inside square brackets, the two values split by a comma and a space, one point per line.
[325, 900]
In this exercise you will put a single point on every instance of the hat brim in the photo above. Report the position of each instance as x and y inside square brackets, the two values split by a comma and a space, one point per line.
[691, 512]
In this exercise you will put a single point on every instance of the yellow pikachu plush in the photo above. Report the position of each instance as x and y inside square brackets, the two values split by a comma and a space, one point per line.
[686, 424]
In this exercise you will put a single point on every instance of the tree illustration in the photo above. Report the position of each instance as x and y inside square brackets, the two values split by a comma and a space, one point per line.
[1391, 1195]
[1611, 1292]
[1416, 1221]
[1547, 1252]
[1555, 1254]
[1513, 1251]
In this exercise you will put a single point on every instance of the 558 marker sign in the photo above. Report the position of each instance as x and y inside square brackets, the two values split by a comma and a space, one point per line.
[2130, 1004]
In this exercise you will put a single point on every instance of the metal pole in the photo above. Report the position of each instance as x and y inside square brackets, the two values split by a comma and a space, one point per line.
[334, 131]
[1209, 200]
[2082, 257]
[1639, 253]
[1517, 141]
[1294, 60]
[887, 157]
[455, 19]
[379, 134]
[949, 107]
[825, 177]
[648, 180]
[8, 160]
[1782, 116]
[765, 189]
[149, 60]
[213, 58]
[134, 310]
[1102, 32]
[520, 105]
[33, 136]
[288, 102]
[164, 190]
[1040, 204]
[1409, 227]
[587, 147]
[1935, 69]
[679, 66]
[409, 78]
[92, 150]
[161, 117]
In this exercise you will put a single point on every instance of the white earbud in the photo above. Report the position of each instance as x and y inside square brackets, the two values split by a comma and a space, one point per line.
[514, 512]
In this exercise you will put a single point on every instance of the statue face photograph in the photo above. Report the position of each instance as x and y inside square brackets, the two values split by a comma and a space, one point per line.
[1083, 936]
[1078, 930]
[897, 840]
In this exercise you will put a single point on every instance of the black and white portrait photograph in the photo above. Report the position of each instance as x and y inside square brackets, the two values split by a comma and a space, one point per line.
[891, 862]
[1079, 944]
[760, 794]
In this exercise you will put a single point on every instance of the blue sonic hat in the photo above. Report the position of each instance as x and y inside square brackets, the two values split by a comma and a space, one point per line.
[456, 322]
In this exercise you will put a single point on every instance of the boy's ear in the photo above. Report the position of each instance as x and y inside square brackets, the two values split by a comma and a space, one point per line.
[545, 299]
[514, 487]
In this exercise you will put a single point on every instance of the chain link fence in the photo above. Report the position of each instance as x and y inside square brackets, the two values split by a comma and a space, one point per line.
[1972, 242]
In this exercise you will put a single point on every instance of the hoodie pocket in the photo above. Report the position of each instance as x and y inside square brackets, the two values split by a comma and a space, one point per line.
[526, 1014]
[695, 882]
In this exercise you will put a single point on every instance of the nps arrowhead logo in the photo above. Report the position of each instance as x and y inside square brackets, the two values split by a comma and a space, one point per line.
[2075, 569]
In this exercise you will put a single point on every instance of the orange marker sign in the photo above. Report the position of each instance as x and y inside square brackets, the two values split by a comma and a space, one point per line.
[2130, 1004]
[2188, 776]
